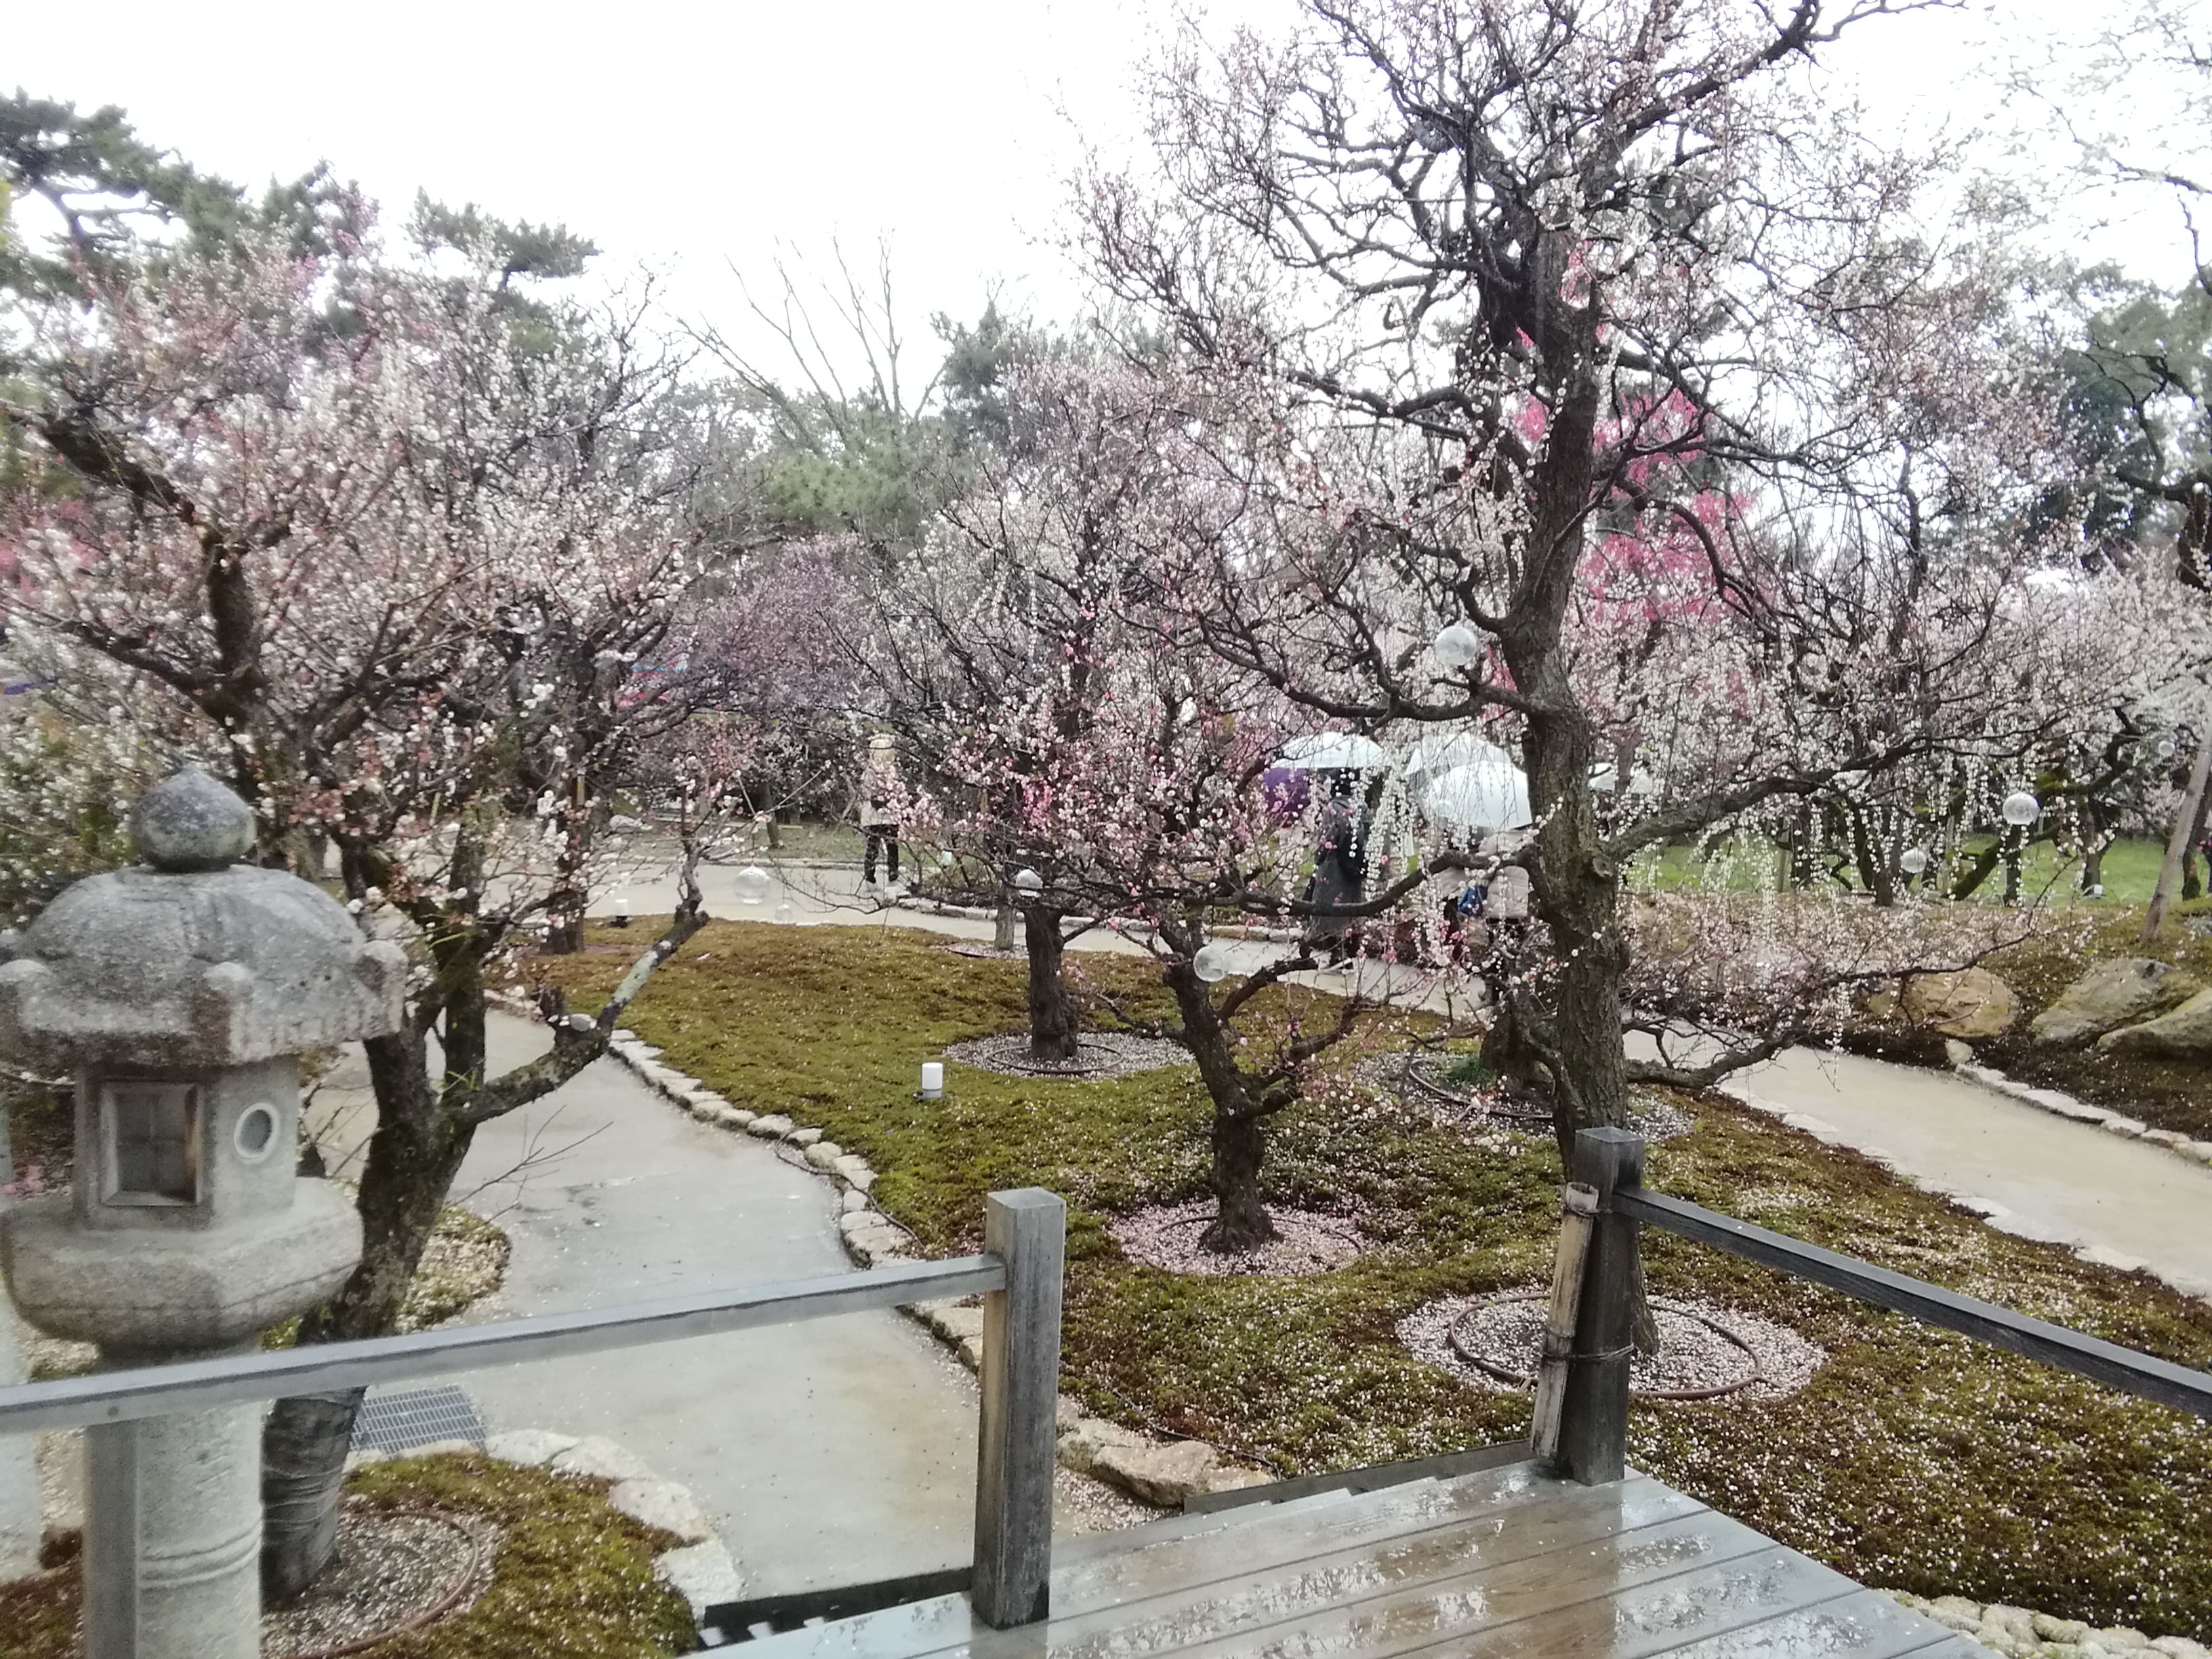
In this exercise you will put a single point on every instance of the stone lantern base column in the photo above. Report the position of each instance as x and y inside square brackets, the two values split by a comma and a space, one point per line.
[172, 1534]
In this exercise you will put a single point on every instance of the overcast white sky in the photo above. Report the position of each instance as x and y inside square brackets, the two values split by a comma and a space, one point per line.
[688, 136]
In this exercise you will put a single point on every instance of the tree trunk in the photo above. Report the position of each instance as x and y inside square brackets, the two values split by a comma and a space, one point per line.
[2189, 819]
[1240, 1222]
[413, 1156]
[1240, 1132]
[1052, 1010]
[1003, 927]
[1872, 853]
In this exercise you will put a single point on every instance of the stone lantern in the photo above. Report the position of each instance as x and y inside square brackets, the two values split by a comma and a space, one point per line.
[181, 993]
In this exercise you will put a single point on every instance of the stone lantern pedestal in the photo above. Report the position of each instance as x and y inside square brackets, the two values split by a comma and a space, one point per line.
[182, 992]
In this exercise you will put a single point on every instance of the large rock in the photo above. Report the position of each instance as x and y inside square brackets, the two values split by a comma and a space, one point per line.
[1970, 1005]
[2110, 995]
[666, 1504]
[2183, 1034]
[704, 1575]
[1160, 1475]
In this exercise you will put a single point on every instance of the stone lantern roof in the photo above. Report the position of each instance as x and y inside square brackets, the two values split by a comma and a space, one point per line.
[191, 959]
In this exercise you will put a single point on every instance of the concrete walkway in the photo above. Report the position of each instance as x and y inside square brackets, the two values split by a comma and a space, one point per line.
[2126, 1203]
[837, 1451]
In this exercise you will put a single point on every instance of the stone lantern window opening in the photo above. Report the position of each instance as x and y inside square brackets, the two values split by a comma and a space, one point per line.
[150, 1133]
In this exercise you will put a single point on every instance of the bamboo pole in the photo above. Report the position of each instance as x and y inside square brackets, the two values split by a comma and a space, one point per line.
[1577, 1204]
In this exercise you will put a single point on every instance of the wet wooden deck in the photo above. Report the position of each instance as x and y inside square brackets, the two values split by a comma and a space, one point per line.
[1508, 1561]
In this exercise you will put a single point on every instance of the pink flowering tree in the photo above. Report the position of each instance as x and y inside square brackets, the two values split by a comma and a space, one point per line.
[386, 543]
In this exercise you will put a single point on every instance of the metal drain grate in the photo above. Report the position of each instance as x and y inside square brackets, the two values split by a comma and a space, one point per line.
[404, 1418]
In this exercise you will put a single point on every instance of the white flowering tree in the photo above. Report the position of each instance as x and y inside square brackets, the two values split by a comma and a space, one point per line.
[1583, 341]
[388, 544]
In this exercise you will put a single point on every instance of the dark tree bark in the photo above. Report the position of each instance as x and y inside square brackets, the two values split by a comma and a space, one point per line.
[1239, 1135]
[1053, 1022]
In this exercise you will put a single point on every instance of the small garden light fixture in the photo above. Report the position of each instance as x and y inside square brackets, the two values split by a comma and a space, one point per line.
[933, 1080]
[1457, 645]
[621, 917]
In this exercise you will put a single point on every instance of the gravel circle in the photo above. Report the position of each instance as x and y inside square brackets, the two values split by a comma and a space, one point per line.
[1166, 1236]
[395, 1571]
[1098, 1054]
[1702, 1347]
[986, 952]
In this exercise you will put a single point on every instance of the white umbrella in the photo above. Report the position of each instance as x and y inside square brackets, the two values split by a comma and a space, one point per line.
[1333, 751]
[1440, 755]
[1493, 795]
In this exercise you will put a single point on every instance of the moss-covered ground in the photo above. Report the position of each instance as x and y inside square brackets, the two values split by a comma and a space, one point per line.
[573, 1578]
[1914, 1460]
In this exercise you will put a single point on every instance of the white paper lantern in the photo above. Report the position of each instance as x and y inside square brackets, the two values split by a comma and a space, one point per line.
[786, 911]
[2022, 809]
[933, 1080]
[1913, 860]
[1457, 645]
[753, 883]
[1212, 964]
[1027, 881]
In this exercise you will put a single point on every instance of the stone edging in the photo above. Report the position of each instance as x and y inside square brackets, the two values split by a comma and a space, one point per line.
[2009, 1629]
[700, 1569]
[2062, 1104]
[1163, 1472]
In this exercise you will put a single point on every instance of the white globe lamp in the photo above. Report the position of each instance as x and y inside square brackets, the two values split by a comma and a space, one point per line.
[1457, 645]
[1211, 963]
[1913, 860]
[2020, 808]
[753, 883]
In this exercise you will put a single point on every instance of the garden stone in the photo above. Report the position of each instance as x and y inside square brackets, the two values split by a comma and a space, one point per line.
[824, 1155]
[2180, 1647]
[855, 1202]
[703, 1574]
[1970, 1005]
[1160, 1475]
[774, 1126]
[804, 1137]
[2185, 1032]
[666, 1504]
[1090, 1438]
[596, 1455]
[1956, 1610]
[2017, 1622]
[2049, 1629]
[2120, 1639]
[740, 1118]
[2112, 994]
[531, 1448]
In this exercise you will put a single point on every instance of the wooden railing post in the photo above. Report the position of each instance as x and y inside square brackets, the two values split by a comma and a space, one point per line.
[1021, 1394]
[1593, 1432]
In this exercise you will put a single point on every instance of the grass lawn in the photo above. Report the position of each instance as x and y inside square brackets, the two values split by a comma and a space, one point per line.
[1914, 1460]
[573, 1578]
[2047, 875]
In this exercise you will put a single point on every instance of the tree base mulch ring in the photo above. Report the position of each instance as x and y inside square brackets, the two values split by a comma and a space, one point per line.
[1166, 1236]
[1704, 1351]
[1424, 1081]
[1098, 1055]
[396, 1571]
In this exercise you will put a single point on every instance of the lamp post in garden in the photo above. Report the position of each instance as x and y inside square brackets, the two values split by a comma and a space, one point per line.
[181, 993]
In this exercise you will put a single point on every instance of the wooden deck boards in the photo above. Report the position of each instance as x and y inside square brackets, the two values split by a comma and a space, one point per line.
[1505, 1562]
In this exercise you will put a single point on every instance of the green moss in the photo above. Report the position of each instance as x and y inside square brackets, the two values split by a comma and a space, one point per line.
[1914, 1460]
[573, 1579]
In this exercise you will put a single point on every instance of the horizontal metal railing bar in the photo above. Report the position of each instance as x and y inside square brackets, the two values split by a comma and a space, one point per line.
[199, 1384]
[2107, 1363]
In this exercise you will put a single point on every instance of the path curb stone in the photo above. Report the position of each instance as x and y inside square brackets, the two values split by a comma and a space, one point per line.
[1158, 1471]
[2060, 1104]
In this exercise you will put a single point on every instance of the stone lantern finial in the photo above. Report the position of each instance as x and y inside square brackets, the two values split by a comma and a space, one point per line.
[190, 822]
